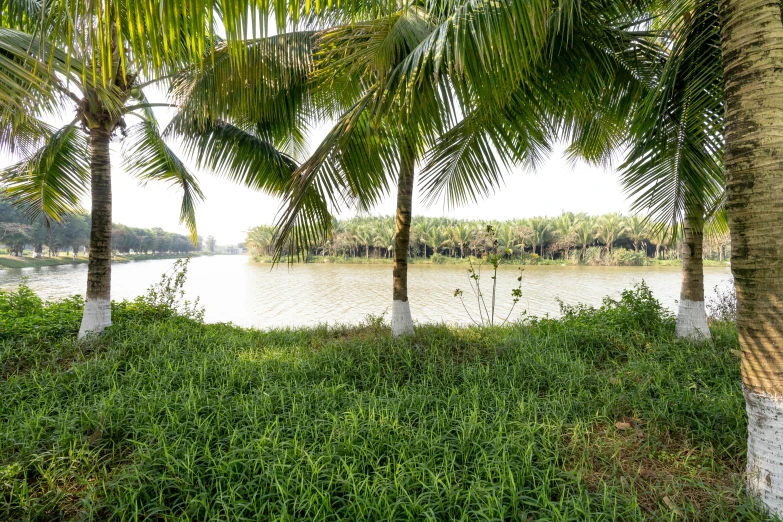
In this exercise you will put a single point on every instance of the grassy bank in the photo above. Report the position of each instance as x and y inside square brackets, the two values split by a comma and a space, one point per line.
[7, 261]
[601, 415]
[444, 260]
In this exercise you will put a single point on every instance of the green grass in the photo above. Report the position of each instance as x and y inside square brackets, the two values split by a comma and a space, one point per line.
[7, 261]
[601, 415]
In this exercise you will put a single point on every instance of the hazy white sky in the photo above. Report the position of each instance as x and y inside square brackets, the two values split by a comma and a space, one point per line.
[229, 210]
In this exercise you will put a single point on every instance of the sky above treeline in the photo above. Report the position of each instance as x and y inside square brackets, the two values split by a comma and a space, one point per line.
[229, 210]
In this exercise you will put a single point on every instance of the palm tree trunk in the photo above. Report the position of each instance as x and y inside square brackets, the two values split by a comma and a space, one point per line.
[752, 49]
[402, 322]
[97, 307]
[692, 316]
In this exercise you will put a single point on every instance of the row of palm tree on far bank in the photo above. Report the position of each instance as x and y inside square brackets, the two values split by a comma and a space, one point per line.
[609, 239]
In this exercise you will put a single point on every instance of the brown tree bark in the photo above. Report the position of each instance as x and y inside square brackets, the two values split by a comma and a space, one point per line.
[692, 316]
[752, 50]
[402, 323]
[97, 313]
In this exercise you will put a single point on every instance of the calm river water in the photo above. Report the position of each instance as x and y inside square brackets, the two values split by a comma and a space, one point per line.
[233, 288]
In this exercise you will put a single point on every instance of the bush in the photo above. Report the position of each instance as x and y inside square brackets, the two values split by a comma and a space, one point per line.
[439, 259]
[593, 255]
[624, 257]
[24, 314]
[724, 306]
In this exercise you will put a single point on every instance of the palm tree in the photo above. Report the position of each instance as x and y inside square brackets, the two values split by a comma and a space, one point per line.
[636, 230]
[97, 58]
[610, 228]
[751, 40]
[364, 236]
[384, 238]
[73, 161]
[400, 98]
[565, 229]
[508, 239]
[674, 167]
[542, 233]
[460, 234]
[260, 240]
[585, 233]
[423, 231]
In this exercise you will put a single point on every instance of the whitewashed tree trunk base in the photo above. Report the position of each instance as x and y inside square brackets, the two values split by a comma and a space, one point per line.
[97, 316]
[765, 450]
[692, 320]
[401, 322]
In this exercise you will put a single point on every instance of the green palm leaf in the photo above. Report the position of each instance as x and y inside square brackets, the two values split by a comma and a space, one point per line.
[51, 181]
[148, 158]
[675, 158]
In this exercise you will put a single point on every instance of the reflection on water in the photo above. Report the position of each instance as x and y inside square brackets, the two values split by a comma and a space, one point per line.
[232, 288]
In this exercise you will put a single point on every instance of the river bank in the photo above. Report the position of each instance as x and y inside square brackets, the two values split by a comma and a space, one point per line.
[601, 415]
[7, 261]
[445, 260]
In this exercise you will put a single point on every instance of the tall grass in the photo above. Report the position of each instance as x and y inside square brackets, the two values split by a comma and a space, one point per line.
[601, 415]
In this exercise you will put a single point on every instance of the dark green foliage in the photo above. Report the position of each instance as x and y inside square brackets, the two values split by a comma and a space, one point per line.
[602, 415]
[24, 315]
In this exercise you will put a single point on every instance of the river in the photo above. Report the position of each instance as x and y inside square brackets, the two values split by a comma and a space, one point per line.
[235, 289]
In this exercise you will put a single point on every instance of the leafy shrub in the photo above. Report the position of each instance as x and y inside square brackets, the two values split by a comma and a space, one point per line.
[25, 317]
[624, 257]
[609, 331]
[636, 310]
[438, 259]
[724, 306]
[24, 314]
[593, 256]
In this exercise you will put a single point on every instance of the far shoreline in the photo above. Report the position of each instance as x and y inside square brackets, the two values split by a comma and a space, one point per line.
[446, 261]
[8, 262]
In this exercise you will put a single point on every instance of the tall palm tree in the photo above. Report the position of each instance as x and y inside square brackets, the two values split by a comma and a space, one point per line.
[751, 43]
[61, 165]
[637, 230]
[460, 234]
[363, 235]
[508, 239]
[542, 233]
[585, 233]
[565, 229]
[96, 58]
[384, 238]
[460, 115]
[610, 228]
[674, 168]
[260, 240]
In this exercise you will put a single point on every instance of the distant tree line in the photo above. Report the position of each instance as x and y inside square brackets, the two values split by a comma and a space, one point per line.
[610, 239]
[72, 233]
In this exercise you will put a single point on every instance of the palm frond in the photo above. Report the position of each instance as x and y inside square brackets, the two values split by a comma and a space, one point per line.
[350, 168]
[675, 158]
[148, 158]
[469, 160]
[51, 181]
[239, 155]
